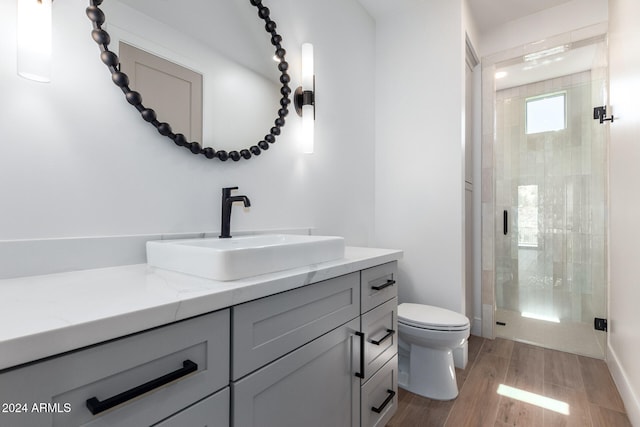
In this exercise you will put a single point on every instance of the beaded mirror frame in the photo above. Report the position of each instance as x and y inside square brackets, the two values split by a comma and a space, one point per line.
[120, 79]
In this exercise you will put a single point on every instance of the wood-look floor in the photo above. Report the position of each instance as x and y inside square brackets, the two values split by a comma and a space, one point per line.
[583, 384]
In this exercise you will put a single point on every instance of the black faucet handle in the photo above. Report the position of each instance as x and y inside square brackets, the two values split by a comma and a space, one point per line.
[226, 191]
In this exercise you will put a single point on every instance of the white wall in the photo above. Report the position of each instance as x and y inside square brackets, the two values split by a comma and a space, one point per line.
[419, 153]
[624, 152]
[76, 160]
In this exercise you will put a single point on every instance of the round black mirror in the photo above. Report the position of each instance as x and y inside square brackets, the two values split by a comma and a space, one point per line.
[120, 79]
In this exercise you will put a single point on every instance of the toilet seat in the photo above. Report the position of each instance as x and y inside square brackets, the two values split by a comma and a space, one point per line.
[432, 318]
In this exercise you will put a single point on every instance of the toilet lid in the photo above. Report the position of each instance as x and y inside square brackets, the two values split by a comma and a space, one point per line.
[430, 317]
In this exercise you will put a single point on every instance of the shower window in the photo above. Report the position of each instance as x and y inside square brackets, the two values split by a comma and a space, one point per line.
[546, 113]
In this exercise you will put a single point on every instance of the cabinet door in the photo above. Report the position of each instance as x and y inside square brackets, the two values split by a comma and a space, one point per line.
[210, 412]
[312, 386]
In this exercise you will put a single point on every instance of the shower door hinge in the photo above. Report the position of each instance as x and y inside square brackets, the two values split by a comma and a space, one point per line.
[600, 113]
[600, 324]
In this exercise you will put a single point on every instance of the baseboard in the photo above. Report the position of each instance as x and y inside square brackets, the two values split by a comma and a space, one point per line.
[631, 401]
[487, 321]
[476, 327]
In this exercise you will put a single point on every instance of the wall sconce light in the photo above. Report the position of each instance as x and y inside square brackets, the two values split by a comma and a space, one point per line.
[34, 39]
[304, 98]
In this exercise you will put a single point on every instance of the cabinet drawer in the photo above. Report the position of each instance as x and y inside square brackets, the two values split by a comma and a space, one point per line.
[380, 396]
[211, 412]
[107, 370]
[268, 328]
[380, 327]
[378, 285]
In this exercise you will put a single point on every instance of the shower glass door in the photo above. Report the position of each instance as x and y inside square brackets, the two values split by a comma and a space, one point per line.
[550, 198]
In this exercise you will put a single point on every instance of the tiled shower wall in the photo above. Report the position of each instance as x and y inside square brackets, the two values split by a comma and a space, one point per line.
[565, 275]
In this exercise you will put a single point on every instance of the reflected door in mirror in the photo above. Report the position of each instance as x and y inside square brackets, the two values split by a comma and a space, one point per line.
[173, 90]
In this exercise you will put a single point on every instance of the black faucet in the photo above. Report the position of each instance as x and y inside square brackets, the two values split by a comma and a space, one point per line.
[227, 202]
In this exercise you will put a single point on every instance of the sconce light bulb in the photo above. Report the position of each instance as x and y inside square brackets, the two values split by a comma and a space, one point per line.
[307, 66]
[34, 39]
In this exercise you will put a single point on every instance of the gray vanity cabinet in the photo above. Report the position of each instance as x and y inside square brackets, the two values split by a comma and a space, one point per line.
[320, 355]
[323, 354]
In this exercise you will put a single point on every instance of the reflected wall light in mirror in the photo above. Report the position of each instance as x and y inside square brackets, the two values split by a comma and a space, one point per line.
[34, 39]
[304, 99]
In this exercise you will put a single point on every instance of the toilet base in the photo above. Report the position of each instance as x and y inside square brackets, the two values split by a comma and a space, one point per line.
[428, 372]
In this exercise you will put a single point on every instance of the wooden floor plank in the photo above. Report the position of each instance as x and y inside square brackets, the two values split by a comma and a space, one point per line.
[437, 414]
[513, 412]
[525, 368]
[477, 403]
[524, 373]
[599, 385]
[499, 347]
[578, 407]
[562, 369]
[603, 417]
[420, 411]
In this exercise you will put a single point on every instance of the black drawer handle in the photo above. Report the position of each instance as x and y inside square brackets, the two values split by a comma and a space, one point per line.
[385, 403]
[361, 373]
[389, 333]
[384, 285]
[95, 406]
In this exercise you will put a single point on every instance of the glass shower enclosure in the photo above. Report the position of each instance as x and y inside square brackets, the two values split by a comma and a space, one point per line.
[550, 172]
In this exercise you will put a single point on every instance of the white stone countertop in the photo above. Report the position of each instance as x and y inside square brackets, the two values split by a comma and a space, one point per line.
[41, 316]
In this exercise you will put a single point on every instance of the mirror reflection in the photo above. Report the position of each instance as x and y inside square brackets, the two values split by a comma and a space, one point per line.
[239, 81]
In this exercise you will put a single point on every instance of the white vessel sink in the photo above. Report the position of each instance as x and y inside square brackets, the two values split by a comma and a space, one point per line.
[244, 256]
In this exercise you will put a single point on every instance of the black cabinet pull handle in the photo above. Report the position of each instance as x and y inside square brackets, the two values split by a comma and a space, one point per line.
[95, 406]
[384, 285]
[389, 333]
[385, 403]
[361, 373]
[505, 222]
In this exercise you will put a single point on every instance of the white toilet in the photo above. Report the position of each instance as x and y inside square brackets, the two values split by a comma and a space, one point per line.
[432, 343]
